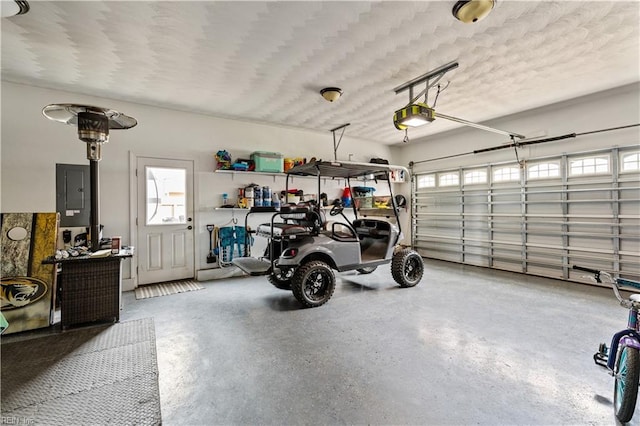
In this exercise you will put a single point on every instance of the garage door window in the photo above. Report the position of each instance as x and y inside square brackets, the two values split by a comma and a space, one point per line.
[543, 170]
[631, 162]
[427, 181]
[449, 179]
[589, 166]
[506, 174]
[475, 177]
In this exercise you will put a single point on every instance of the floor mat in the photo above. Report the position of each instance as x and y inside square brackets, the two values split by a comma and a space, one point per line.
[96, 375]
[165, 289]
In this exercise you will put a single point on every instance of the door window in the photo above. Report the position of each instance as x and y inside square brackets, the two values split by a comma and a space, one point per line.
[166, 189]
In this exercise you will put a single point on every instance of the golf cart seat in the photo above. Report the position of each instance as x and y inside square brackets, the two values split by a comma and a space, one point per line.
[339, 231]
[298, 220]
[371, 228]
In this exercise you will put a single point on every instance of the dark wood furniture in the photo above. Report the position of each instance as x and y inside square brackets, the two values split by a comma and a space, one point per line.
[90, 289]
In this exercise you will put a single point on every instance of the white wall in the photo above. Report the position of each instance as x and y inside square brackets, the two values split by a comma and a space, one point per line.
[32, 145]
[612, 108]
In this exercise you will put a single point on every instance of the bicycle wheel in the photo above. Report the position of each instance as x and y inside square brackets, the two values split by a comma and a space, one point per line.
[625, 389]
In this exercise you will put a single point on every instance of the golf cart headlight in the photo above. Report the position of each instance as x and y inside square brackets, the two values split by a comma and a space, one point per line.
[290, 253]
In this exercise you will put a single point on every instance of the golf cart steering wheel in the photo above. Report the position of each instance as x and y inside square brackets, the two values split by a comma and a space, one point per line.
[336, 209]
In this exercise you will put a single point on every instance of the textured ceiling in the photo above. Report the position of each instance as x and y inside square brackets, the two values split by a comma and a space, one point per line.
[267, 61]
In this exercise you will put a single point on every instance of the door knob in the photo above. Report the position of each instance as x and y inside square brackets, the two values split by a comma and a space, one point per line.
[189, 219]
[189, 227]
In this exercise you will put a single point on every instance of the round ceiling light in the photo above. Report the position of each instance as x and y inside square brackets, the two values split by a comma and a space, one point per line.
[331, 93]
[470, 11]
[13, 7]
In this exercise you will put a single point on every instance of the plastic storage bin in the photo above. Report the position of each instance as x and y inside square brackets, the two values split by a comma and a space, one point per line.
[363, 196]
[268, 161]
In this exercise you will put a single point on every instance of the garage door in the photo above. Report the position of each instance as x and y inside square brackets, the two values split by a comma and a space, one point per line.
[539, 217]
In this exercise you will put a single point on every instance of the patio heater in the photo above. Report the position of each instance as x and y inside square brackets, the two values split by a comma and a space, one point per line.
[93, 125]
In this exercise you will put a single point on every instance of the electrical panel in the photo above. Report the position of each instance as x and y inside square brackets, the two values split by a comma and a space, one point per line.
[73, 194]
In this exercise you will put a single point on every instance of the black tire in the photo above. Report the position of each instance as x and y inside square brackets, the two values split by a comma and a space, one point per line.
[625, 390]
[367, 270]
[313, 283]
[280, 281]
[407, 267]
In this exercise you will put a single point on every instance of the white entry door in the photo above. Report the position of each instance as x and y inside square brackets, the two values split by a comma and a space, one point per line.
[164, 220]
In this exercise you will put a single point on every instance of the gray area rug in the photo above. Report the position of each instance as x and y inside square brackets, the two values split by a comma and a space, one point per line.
[165, 289]
[98, 375]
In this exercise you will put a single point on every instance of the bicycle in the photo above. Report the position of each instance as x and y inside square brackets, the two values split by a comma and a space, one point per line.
[622, 357]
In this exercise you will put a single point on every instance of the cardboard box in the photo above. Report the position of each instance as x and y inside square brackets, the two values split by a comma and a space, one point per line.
[268, 161]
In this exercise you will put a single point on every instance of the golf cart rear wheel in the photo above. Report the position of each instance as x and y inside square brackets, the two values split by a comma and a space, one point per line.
[280, 281]
[366, 270]
[313, 283]
[407, 267]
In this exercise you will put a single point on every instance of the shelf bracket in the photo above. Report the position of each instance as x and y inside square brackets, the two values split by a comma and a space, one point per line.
[336, 145]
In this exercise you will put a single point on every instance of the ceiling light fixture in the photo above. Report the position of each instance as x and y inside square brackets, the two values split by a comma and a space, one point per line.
[13, 7]
[331, 93]
[470, 11]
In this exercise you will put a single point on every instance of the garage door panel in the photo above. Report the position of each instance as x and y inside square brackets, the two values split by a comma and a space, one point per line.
[591, 210]
[506, 223]
[629, 265]
[549, 241]
[550, 271]
[443, 251]
[479, 259]
[514, 237]
[475, 224]
[546, 255]
[630, 245]
[592, 258]
[507, 264]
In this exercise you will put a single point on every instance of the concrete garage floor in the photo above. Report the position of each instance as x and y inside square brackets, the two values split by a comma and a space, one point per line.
[466, 346]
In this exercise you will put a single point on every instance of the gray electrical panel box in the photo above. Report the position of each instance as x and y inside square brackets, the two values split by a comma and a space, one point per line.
[73, 194]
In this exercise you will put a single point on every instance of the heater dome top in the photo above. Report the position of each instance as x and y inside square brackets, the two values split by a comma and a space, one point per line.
[68, 114]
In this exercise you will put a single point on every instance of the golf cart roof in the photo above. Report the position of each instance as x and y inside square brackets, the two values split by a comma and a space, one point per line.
[342, 169]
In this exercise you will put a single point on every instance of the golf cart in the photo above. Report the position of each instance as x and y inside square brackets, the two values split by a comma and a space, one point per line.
[303, 248]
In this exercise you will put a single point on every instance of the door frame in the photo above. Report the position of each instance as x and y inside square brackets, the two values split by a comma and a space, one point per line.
[133, 211]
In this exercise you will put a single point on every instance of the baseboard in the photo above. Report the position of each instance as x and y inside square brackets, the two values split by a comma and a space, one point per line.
[128, 284]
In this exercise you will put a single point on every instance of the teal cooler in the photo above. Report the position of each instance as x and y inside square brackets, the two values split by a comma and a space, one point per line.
[268, 161]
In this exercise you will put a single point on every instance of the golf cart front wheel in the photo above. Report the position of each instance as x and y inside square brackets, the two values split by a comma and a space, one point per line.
[625, 389]
[313, 284]
[407, 267]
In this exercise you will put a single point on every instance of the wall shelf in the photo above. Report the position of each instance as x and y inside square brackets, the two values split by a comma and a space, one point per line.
[275, 175]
